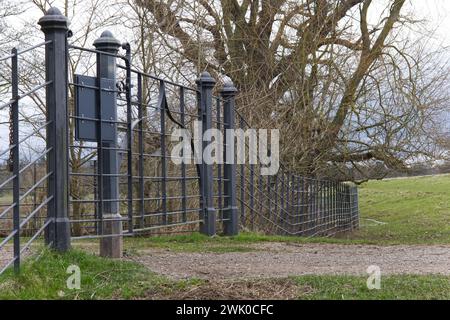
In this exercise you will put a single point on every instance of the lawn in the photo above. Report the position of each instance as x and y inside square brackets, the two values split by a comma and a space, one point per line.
[400, 287]
[405, 211]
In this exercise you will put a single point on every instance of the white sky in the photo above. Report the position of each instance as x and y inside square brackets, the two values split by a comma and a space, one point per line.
[437, 14]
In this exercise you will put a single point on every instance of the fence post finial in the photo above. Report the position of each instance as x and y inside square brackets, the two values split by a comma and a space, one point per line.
[54, 25]
[205, 85]
[108, 161]
[230, 211]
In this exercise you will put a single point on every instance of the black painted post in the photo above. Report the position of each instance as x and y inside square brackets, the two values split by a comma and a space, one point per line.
[230, 211]
[111, 218]
[54, 26]
[205, 85]
[15, 153]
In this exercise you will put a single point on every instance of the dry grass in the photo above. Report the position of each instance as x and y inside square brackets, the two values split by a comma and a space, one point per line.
[260, 289]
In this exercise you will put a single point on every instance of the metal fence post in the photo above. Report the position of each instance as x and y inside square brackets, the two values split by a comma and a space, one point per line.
[54, 26]
[15, 157]
[205, 85]
[230, 211]
[111, 223]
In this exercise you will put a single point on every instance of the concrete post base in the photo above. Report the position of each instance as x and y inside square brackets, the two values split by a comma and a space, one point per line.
[112, 247]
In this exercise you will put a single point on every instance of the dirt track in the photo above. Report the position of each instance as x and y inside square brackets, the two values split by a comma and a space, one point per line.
[274, 260]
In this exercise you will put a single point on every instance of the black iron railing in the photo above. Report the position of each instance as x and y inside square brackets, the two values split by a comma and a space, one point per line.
[108, 167]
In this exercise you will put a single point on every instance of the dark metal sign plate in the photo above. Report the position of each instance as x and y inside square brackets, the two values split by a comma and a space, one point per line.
[86, 109]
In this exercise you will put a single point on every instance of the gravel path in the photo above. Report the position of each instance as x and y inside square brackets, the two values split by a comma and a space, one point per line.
[274, 260]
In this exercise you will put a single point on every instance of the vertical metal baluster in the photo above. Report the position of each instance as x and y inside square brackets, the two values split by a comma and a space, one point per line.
[269, 199]
[100, 153]
[327, 221]
[261, 209]
[129, 142]
[35, 191]
[219, 166]
[287, 207]
[304, 206]
[15, 157]
[322, 207]
[183, 164]
[342, 206]
[292, 204]
[95, 196]
[333, 206]
[252, 197]
[311, 199]
[141, 151]
[347, 201]
[317, 217]
[314, 211]
[320, 219]
[339, 207]
[163, 159]
[277, 214]
[298, 204]
[241, 124]
[281, 199]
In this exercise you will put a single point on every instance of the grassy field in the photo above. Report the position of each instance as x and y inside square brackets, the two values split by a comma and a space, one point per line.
[407, 211]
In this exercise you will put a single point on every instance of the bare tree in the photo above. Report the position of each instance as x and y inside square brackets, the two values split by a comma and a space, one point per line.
[343, 87]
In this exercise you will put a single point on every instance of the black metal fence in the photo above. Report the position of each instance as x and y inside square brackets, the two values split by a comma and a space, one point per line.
[289, 204]
[108, 169]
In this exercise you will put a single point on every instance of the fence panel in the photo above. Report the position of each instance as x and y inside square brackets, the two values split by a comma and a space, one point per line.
[105, 162]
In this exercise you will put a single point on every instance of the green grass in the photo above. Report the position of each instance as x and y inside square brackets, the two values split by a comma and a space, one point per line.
[413, 210]
[404, 287]
[45, 276]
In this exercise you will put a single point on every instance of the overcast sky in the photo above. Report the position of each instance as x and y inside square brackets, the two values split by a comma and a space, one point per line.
[437, 13]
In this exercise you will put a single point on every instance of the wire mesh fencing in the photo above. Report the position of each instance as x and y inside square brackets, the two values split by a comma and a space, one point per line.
[289, 204]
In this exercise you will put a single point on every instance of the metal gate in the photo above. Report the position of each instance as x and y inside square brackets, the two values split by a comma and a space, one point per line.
[106, 168]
